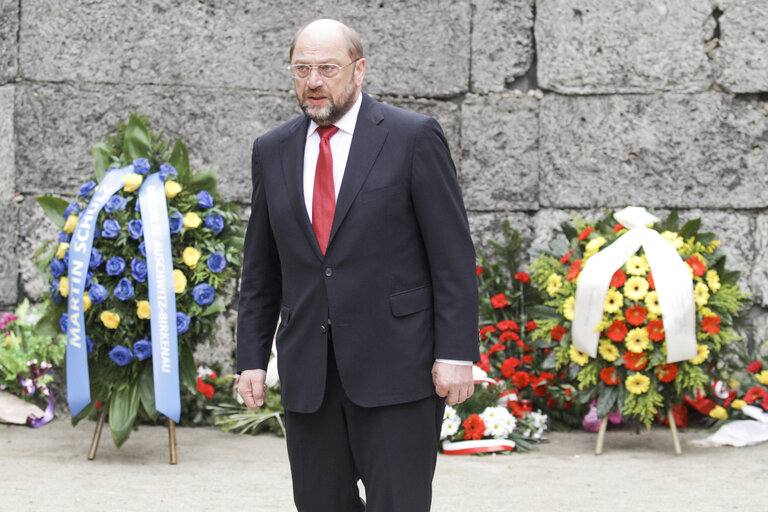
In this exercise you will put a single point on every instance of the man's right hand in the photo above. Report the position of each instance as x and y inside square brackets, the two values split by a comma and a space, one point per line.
[250, 386]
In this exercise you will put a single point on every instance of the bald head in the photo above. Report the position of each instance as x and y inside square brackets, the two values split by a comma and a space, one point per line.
[328, 31]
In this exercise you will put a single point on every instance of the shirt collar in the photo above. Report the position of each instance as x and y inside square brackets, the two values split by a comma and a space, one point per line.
[347, 122]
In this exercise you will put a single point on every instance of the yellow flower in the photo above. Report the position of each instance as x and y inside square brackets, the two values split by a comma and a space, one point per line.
[179, 281]
[703, 354]
[142, 309]
[701, 294]
[132, 182]
[613, 301]
[63, 286]
[637, 340]
[738, 404]
[86, 301]
[636, 288]
[568, 307]
[172, 189]
[673, 238]
[652, 303]
[637, 265]
[554, 282]
[69, 226]
[191, 220]
[762, 377]
[637, 383]
[109, 319]
[608, 350]
[713, 280]
[719, 413]
[190, 256]
[62, 249]
[580, 358]
[593, 246]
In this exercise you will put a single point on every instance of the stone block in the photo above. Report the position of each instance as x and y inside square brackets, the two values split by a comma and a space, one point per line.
[602, 46]
[34, 229]
[502, 42]
[220, 348]
[57, 126]
[7, 144]
[741, 58]
[759, 277]
[487, 226]
[417, 48]
[499, 152]
[759, 335]
[9, 266]
[673, 150]
[9, 46]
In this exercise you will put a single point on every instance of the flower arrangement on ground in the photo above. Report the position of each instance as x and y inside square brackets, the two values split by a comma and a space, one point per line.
[630, 373]
[205, 243]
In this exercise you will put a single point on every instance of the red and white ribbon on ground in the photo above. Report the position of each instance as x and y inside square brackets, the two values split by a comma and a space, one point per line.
[479, 446]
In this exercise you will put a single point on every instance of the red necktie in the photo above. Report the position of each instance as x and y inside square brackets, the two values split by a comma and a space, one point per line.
[324, 194]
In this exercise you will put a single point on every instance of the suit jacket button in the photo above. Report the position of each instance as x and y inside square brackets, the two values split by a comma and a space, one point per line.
[323, 328]
[328, 272]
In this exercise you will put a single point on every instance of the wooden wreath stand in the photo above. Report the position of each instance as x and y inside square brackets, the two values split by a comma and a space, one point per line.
[672, 428]
[100, 425]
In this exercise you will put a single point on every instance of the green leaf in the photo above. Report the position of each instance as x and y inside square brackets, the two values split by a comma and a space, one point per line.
[136, 143]
[216, 306]
[102, 159]
[54, 208]
[606, 401]
[690, 228]
[83, 414]
[48, 325]
[569, 231]
[542, 312]
[147, 390]
[559, 245]
[122, 412]
[180, 158]
[204, 180]
[187, 370]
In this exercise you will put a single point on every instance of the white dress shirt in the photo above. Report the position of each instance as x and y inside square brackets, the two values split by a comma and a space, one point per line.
[340, 144]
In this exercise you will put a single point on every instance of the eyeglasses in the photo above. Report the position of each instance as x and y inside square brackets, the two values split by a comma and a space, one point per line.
[325, 70]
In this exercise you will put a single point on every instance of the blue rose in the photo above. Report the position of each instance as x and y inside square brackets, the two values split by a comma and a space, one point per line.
[182, 322]
[71, 208]
[216, 262]
[167, 171]
[143, 249]
[121, 355]
[86, 188]
[96, 232]
[139, 270]
[204, 200]
[97, 293]
[142, 349]
[65, 259]
[96, 258]
[203, 294]
[63, 322]
[137, 206]
[175, 222]
[124, 289]
[214, 222]
[55, 294]
[135, 229]
[110, 228]
[115, 265]
[88, 344]
[115, 203]
[88, 278]
[57, 267]
[141, 166]
[64, 237]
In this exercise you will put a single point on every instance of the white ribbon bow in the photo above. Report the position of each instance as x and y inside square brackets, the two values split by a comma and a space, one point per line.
[670, 275]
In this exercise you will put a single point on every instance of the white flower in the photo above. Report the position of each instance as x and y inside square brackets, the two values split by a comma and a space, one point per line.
[478, 373]
[203, 371]
[499, 423]
[272, 377]
[451, 422]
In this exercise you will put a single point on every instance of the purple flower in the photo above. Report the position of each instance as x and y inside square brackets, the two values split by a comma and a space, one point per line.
[63, 322]
[216, 262]
[64, 237]
[124, 289]
[110, 228]
[115, 265]
[86, 188]
[88, 344]
[28, 386]
[142, 349]
[203, 294]
[215, 223]
[96, 258]
[135, 229]
[115, 203]
[55, 295]
[97, 293]
[121, 355]
[57, 267]
[139, 270]
[175, 221]
[167, 171]
[141, 166]
[182, 322]
[204, 200]
[143, 249]
[71, 208]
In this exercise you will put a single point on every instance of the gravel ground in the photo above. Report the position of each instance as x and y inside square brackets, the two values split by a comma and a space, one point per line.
[47, 468]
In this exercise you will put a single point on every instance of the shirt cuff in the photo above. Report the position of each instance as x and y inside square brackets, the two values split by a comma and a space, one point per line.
[454, 361]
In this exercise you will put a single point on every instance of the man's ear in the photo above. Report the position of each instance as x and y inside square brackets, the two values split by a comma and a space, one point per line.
[359, 72]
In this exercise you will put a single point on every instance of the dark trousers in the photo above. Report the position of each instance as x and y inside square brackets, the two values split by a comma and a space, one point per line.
[392, 449]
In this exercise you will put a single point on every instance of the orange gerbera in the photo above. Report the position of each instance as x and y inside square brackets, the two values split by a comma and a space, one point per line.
[655, 329]
[697, 265]
[666, 372]
[585, 233]
[574, 271]
[608, 375]
[618, 279]
[636, 315]
[474, 427]
[617, 331]
[710, 324]
[635, 361]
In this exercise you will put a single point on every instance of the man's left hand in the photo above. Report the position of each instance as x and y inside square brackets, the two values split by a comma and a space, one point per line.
[453, 382]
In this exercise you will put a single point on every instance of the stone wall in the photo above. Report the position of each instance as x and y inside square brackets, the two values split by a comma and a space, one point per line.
[551, 107]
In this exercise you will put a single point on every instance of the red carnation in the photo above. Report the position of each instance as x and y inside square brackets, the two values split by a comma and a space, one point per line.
[755, 367]
[523, 277]
[478, 269]
[574, 271]
[528, 359]
[710, 324]
[608, 375]
[486, 330]
[205, 388]
[636, 315]
[618, 227]
[509, 335]
[617, 331]
[666, 372]
[485, 362]
[508, 325]
[585, 233]
[618, 279]
[655, 329]
[499, 301]
[755, 393]
[498, 347]
[521, 379]
[566, 257]
[530, 325]
[557, 332]
[652, 285]
[698, 266]
[474, 427]
[508, 366]
[635, 362]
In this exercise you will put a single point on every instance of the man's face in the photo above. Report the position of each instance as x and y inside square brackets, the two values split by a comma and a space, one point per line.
[322, 99]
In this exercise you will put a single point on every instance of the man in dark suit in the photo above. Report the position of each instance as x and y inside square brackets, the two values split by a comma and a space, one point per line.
[358, 240]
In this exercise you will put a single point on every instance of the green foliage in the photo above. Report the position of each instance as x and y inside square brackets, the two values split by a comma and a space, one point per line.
[54, 208]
